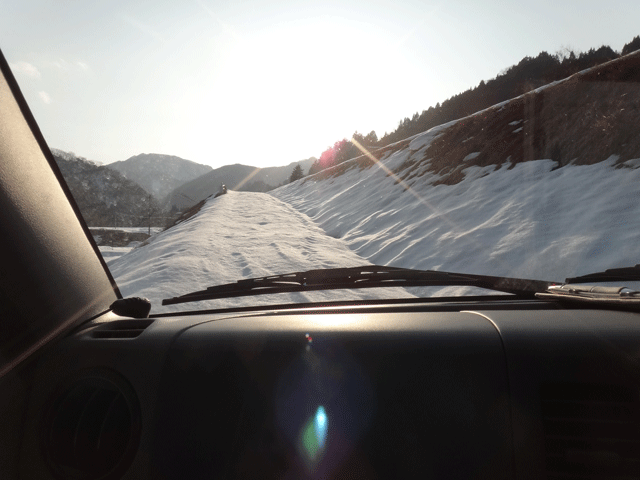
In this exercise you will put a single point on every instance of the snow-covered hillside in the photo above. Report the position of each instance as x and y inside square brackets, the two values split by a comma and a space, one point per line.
[238, 235]
[530, 221]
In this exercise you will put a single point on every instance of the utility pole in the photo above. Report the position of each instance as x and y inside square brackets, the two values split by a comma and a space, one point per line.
[149, 232]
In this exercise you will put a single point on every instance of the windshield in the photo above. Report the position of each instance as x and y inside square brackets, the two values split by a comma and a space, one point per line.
[207, 142]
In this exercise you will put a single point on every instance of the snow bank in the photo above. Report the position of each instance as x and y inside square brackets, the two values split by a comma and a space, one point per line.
[234, 236]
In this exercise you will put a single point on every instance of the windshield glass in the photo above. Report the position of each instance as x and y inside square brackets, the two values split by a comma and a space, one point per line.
[207, 142]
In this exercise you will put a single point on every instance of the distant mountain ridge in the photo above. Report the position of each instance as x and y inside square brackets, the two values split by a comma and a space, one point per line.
[159, 174]
[235, 177]
[104, 196]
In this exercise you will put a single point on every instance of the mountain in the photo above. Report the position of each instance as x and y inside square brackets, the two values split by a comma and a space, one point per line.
[159, 174]
[105, 197]
[235, 177]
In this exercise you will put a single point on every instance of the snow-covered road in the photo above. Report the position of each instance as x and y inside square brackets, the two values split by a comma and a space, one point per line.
[238, 235]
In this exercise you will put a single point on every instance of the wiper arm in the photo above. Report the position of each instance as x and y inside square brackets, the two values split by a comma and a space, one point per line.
[611, 275]
[606, 297]
[370, 276]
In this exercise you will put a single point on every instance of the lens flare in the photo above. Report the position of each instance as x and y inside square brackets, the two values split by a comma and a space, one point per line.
[321, 426]
[314, 435]
[454, 227]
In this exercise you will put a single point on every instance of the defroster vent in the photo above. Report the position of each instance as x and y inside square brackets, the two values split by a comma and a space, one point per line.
[592, 431]
[121, 329]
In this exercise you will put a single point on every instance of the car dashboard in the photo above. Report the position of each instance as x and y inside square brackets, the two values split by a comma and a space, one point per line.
[492, 389]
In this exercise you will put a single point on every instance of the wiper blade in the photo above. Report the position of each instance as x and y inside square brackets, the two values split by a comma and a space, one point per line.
[370, 276]
[594, 295]
[611, 275]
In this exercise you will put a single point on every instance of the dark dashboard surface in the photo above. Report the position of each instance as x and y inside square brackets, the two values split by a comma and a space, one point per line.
[350, 394]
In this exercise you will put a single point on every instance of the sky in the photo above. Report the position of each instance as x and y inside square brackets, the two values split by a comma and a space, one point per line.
[267, 83]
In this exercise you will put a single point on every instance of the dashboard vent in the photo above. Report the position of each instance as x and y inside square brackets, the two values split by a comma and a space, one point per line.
[591, 431]
[121, 329]
[93, 428]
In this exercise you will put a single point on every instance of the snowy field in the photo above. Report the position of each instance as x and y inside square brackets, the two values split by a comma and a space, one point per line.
[113, 253]
[238, 235]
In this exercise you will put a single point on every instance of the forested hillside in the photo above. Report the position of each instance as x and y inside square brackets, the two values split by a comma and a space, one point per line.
[530, 73]
[105, 197]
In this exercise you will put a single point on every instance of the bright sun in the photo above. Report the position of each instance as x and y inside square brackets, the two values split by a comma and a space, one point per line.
[300, 82]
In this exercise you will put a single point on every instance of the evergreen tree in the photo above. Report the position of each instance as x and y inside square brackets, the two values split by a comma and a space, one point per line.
[296, 174]
[371, 139]
[632, 46]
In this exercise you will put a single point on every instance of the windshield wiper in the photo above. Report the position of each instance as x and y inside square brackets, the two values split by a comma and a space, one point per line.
[606, 297]
[370, 276]
[611, 275]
